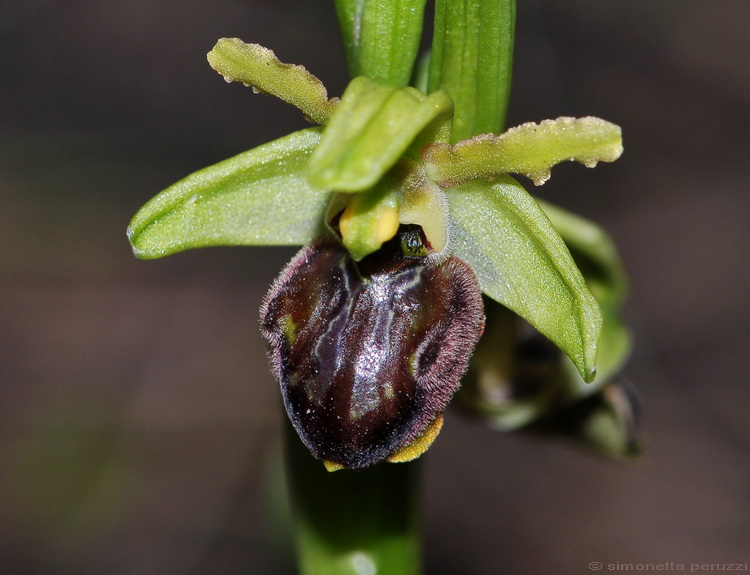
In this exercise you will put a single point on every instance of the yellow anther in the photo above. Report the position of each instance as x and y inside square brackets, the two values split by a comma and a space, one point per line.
[368, 222]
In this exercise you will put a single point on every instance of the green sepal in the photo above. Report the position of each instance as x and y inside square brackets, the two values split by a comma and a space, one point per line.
[259, 197]
[260, 69]
[596, 256]
[529, 149]
[594, 252]
[371, 129]
[472, 57]
[522, 262]
[381, 38]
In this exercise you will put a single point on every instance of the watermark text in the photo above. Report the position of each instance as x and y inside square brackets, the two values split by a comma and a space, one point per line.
[670, 566]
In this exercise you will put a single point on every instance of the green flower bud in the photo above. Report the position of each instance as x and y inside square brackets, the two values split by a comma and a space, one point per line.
[608, 422]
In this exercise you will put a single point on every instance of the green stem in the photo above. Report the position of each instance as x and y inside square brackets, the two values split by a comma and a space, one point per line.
[354, 522]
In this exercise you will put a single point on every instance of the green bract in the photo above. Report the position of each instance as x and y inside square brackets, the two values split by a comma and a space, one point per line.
[278, 193]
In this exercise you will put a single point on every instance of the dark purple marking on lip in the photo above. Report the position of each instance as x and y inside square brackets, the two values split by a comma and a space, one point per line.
[368, 355]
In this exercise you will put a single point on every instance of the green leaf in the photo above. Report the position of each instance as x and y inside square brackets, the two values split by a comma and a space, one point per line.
[381, 38]
[259, 197]
[371, 129]
[472, 57]
[421, 73]
[260, 69]
[521, 262]
[530, 149]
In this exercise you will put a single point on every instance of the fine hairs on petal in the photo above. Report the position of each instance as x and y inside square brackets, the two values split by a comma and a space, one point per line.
[258, 67]
[529, 149]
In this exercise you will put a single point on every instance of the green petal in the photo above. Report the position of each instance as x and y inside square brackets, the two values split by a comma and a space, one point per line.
[259, 197]
[260, 69]
[381, 38]
[472, 56]
[522, 262]
[372, 128]
[530, 149]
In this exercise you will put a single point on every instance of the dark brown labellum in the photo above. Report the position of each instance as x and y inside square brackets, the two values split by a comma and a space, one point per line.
[368, 354]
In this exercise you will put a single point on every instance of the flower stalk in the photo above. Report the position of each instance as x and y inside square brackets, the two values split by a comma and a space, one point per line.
[362, 522]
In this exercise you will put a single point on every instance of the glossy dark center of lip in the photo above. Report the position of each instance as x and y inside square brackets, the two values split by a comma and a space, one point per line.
[368, 354]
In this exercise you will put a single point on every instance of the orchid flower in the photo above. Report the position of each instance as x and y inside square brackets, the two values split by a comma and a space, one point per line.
[408, 215]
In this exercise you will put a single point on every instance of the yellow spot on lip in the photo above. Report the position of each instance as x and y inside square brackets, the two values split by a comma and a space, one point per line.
[288, 328]
[409, 452]
[388, 391]
[420, 444]
[332, 465]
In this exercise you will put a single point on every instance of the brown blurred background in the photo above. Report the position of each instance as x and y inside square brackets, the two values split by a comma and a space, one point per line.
[138, 422]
